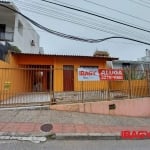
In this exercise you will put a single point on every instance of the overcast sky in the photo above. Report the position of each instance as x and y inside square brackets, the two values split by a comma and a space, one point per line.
[97, 28]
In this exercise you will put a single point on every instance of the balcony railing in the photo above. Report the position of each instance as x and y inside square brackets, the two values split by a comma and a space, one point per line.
[6, 36]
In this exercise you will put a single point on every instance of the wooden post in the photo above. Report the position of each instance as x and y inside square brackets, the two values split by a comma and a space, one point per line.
[109, 96]
[82, 92]
[148, 81]
[129, 83]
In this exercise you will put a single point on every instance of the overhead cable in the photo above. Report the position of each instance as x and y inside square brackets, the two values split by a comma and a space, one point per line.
[118, 11]
[70, 36]
[61, 14]
[96, 15]
[140, 3]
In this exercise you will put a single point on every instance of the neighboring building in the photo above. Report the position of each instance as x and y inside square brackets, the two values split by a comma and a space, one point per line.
[123, 64]
[147, 57]
[142, 63]
[138, 68]
[101, 53]
[17, 30]
[135, 65]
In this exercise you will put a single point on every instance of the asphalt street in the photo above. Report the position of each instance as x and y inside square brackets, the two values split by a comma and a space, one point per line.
[77, 145]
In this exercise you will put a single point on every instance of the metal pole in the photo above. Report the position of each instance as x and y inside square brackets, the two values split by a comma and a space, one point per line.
[51, 86]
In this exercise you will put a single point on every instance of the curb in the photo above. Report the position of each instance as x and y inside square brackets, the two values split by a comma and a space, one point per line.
[43, 137]
[88, 136]
[94, 136]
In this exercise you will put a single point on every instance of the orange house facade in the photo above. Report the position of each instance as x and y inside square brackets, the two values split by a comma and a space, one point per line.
[44, 73]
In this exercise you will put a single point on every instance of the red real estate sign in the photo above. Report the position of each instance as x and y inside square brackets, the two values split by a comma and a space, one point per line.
[110, 74]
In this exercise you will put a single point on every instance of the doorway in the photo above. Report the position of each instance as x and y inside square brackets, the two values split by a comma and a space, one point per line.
[68, 78]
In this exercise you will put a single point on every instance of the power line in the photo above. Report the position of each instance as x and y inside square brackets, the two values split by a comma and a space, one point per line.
[65, 18]
[145, 2]
[72, 19]
[49, 30]
[78, 22]
[96, 15]
[91, 11]
[70, 36]
[129, 15]
[82, 22]
[56, 8]
[139, 3]
[104, 27]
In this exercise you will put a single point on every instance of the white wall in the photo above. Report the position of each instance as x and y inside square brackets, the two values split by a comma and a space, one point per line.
[23, 41]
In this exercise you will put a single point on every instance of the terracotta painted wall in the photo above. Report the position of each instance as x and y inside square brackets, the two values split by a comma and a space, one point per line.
[58, 63]
[130, 107]
[8, 77]
[13, 81]
[78, 85]
[139, 88]
[135, 87]
[35, 60]
[21, 80]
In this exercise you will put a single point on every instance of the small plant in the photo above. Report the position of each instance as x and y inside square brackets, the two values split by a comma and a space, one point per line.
[15, 49]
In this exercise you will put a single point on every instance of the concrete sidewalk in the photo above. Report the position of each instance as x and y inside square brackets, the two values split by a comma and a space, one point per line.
[66, 125]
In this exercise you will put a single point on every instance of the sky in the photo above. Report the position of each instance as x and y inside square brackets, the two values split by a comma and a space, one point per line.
[134, 12]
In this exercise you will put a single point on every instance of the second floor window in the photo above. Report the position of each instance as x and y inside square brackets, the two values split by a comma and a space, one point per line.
[2, 28]
[20, 28]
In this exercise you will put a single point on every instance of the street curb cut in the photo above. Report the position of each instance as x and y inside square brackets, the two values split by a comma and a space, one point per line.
[35, 138]
[24, 138]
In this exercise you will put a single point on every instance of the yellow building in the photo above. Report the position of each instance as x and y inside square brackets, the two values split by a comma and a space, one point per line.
[28, 69]
[28, 74]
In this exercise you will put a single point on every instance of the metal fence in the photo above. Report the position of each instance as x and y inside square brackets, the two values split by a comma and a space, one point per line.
[24, 86]
[40, 85]
[136, 84]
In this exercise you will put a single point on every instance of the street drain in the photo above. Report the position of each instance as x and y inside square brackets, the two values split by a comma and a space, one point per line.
[46, 127]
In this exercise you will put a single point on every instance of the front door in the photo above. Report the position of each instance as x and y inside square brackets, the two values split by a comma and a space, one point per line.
[68, 78]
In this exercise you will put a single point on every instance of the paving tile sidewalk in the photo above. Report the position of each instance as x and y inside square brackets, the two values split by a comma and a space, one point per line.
[25, 122]
[63, 128]
[19, 127]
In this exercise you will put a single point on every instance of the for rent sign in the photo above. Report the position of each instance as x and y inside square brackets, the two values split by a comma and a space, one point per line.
[111, 74]
[95, 74]
[88, 74]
